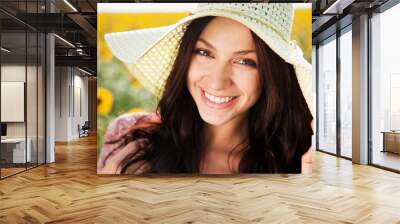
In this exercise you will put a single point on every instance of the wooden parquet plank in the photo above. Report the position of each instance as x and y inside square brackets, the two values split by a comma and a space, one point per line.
[69, 191]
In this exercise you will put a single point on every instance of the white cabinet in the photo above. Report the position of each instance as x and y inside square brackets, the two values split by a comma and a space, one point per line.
[18, 149]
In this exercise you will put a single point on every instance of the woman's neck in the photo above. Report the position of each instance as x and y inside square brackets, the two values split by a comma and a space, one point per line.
[222, 154]
[226, 136]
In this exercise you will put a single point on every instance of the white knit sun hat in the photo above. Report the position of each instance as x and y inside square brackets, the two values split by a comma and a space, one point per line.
[150, 53]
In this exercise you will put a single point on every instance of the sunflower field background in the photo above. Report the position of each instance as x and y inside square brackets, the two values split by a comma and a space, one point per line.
[118, 92]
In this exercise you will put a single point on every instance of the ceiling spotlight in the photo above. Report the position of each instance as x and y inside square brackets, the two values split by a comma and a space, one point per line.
[80, 51]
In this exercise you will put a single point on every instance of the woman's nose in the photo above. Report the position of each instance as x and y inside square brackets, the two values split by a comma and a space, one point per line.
[220, 76]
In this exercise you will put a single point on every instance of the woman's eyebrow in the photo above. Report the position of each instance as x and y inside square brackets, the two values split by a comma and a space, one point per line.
[236, 52]
[206, 43]
[245, 52]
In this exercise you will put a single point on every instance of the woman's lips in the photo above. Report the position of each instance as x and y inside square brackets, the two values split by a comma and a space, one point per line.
[218, 102]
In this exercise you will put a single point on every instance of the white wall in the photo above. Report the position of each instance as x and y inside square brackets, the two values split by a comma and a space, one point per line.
[61, 103]
[71, 94]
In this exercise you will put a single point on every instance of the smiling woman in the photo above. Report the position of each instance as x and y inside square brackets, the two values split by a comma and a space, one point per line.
[233, 95]
[223, 78]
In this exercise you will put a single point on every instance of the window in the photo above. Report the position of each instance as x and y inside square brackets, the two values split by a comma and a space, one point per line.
[346, 93]
[327, 96]
[22, 75]
[385, 88]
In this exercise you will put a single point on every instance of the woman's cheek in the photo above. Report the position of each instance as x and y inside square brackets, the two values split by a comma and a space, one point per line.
[197, 69]
[248, 81]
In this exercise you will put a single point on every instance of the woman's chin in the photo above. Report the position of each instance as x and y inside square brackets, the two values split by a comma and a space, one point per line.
[212, 119]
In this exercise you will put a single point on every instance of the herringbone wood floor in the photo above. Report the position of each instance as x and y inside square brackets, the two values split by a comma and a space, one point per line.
[69, 191]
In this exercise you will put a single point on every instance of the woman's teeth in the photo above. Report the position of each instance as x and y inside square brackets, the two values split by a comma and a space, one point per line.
[217, 99]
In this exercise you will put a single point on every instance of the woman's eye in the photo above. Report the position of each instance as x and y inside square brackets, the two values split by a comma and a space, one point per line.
[248, 62]
[202, 52]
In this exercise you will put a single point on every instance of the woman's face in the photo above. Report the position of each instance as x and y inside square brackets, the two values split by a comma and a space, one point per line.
[223, 78]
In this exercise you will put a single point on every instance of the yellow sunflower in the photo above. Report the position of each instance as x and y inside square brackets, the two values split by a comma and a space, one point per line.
[104, 101]
[136, 109]
[136, 84]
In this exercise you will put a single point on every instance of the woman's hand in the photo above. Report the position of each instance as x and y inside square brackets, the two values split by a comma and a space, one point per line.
[306, 162]
[114, 162]
[306, 159]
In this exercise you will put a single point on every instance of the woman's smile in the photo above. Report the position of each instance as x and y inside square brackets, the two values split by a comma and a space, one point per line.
[218, 102]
